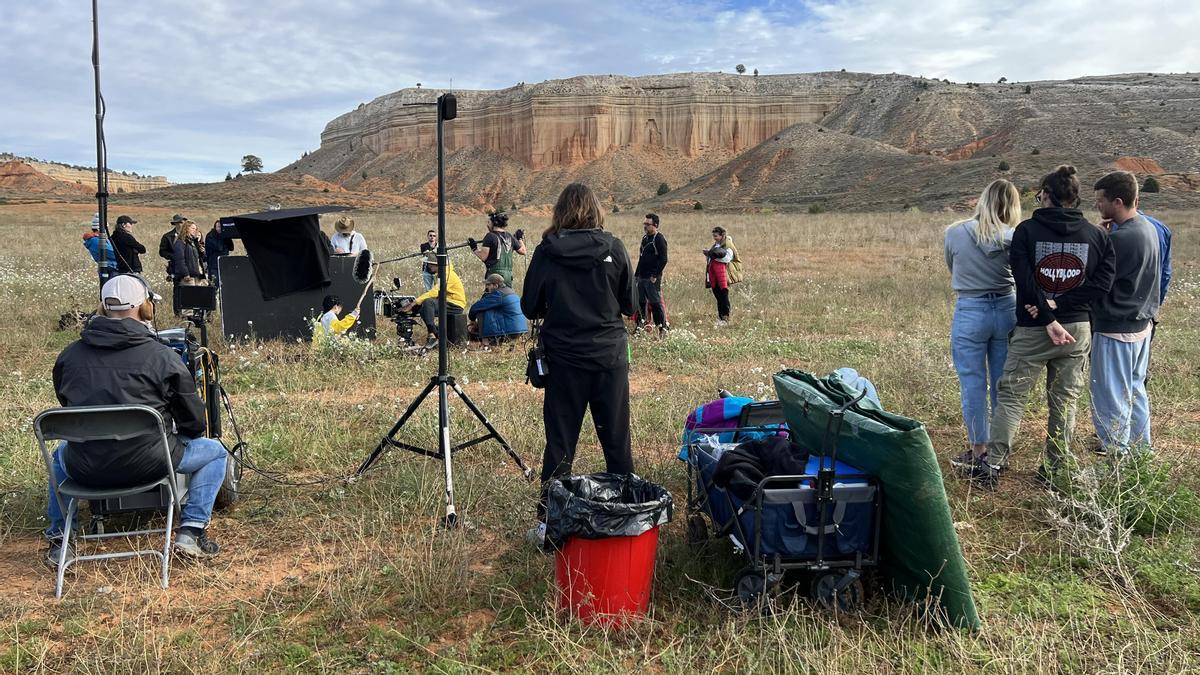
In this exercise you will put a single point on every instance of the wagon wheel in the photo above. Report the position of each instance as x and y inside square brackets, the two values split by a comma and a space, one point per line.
[828, 596]
[750, 586]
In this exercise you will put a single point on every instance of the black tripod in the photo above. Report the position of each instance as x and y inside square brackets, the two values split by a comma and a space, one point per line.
[443, 381]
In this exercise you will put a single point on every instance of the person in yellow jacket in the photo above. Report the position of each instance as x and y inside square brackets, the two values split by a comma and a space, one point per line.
[426, 304]
[330, 323]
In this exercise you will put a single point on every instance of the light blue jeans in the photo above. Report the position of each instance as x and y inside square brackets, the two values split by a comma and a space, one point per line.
[979, 346]
[429, 279]
[1120, 405]
[203, 458]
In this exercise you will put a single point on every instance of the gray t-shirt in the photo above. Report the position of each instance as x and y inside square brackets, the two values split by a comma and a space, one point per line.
[977, 268]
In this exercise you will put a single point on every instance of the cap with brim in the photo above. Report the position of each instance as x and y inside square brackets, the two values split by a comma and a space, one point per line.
[176, 219]
[495, 279]
[123, 292]
[121, 220]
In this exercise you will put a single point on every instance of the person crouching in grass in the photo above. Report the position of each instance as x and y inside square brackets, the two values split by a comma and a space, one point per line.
[331, 325]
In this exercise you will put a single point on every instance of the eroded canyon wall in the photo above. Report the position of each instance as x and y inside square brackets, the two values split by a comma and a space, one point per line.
[567, 122]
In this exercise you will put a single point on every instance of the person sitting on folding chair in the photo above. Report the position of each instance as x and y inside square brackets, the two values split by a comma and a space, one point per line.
[116, 361]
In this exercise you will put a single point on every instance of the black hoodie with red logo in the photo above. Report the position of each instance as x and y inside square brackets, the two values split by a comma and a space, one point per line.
[1058, 255]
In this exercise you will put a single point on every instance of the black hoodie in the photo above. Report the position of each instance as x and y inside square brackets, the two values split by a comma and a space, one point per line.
[119, 361]
[1058, 255]
[581, 282]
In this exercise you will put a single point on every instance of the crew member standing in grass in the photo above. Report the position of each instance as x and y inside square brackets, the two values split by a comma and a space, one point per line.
[91, 242]
[166, 245]
[497, 248]
[580, 283]
[1122, 320]
[985, 312]
[1060, 263]
[722, 269]
[429, 259]
[216, 246]
[652, 260]
[128, 248]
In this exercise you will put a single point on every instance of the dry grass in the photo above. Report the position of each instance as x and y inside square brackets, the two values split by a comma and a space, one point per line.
[360, 577]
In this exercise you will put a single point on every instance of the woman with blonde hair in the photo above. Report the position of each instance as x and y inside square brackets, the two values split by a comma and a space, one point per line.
[985, 312]
[580, 283]
[345, 240]
[188, 253]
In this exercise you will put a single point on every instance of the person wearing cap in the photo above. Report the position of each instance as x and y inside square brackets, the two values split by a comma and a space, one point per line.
[345, 240]
[166, 245]
[497, 315]
[127, 247]
[91, 242]
[119, 361]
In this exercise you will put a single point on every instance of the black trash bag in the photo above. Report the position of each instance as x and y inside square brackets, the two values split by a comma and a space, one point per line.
[602, 505]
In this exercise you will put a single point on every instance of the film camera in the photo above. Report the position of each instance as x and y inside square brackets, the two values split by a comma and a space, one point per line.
[392, 304]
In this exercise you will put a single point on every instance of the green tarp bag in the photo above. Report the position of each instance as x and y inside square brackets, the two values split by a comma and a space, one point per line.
[919, 546]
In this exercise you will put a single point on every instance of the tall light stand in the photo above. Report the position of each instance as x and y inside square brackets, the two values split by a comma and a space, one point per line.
[447, 109]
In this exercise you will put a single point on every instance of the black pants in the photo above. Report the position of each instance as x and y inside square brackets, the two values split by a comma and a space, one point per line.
[429, 312]
[569, 393]
[650, 293]
[722, 296]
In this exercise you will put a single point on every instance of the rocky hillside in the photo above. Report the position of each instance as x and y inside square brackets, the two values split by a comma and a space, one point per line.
[27, 179]
[845, 140]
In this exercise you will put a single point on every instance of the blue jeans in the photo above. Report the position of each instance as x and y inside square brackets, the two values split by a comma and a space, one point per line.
[203, 458]
[979, 347]
[430, 278]
[1120, 405]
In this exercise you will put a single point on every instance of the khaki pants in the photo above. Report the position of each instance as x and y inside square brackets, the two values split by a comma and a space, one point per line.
[1029, 353]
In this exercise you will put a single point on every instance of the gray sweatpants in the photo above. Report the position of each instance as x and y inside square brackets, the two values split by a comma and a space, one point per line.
[1030, 351]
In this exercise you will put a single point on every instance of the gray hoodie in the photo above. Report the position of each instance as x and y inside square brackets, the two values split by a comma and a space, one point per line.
[977, 268]
[1133, 300]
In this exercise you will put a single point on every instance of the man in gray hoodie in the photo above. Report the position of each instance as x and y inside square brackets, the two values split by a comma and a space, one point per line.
[1122, 320]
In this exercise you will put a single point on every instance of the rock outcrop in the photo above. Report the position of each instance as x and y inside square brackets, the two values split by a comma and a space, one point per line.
[568, 122]
[845, 140]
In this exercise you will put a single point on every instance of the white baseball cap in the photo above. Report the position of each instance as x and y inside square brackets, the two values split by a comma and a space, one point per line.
[125, 292]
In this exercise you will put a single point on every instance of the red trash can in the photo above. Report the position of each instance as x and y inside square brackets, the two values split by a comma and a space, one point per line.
[606, 581]
[605, 529]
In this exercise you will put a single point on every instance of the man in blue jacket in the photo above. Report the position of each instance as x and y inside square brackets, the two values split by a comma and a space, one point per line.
[497, 315]
[91, 242]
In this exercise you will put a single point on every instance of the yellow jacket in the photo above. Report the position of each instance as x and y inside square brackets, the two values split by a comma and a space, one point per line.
[455, 294]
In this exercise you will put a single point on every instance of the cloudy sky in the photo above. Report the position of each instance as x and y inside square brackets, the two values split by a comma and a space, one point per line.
[193, 85]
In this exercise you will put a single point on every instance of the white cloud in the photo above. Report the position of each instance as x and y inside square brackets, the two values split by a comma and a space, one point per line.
[192, 86]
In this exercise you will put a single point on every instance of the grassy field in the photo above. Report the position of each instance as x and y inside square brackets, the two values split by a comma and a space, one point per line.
[360, 577]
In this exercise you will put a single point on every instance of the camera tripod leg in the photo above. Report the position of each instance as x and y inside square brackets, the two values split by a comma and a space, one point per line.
[387, 440]
[525, 470]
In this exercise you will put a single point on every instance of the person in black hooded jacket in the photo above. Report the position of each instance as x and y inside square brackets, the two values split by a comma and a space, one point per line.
[1061, 264]
[580, 283]
[118, 360]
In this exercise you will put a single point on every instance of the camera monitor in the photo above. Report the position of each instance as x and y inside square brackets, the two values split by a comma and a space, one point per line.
[195, 297]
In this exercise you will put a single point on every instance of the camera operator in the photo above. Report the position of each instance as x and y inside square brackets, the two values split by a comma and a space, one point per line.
[580, 282]
[116, 361]
[426, 304]
[497, 248]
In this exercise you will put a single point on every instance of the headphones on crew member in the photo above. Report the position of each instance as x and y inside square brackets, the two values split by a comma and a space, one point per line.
[146, 309]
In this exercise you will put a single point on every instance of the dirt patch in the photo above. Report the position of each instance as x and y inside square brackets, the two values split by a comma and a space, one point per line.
[1138, 165]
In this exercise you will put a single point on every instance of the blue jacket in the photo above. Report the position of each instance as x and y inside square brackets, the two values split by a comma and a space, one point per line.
[1164, 253]
[91, 241]
[501, 310]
